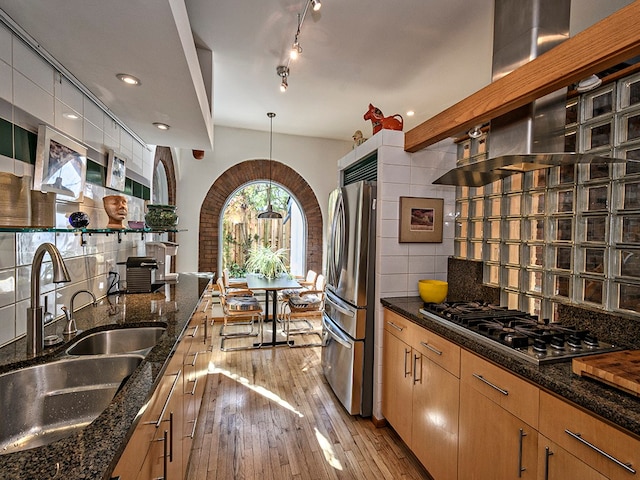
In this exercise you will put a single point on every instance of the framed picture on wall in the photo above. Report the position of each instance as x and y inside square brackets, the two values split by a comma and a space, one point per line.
[421, 220]
[61, 165]
[116, 170]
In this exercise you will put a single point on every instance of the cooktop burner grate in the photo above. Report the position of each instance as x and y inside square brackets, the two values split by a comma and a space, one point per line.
[517, 332]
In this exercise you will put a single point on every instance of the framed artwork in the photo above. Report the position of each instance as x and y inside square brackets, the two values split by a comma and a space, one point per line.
[61, 165]
[421, 220]
[116, 170]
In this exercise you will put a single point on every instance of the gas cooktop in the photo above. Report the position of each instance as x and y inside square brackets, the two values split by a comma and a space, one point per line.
[517, 332]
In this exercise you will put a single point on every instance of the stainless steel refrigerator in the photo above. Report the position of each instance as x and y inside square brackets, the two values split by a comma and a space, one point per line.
[348, 321]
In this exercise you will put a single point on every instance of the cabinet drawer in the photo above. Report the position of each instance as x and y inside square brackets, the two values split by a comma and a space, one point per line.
[513, 394]
[440, 351]
[603, 447]
[398, 326]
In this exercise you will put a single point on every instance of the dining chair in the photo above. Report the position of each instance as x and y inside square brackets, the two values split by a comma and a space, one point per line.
[301, 309]
[243, 311]
[234, 287]
[306, 283]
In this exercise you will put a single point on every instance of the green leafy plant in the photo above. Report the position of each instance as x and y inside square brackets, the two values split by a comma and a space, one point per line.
[267, 262]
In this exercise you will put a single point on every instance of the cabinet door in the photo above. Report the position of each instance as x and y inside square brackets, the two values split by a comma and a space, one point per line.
[164, 458]
[555, 463]
[436, 400]
[605, 448]
[196, 364]
[493, 443]
[397, 385]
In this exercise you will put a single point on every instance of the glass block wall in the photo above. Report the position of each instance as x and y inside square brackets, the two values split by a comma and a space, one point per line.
[564, 234]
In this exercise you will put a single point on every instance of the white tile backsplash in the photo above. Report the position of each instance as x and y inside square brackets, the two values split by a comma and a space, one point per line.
[6, 81]
[31, 93]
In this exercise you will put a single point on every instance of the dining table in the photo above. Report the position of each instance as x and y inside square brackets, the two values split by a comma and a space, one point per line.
[271, 286]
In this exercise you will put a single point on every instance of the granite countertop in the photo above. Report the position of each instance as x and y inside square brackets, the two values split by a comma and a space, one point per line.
[93, 452]
[613, 405]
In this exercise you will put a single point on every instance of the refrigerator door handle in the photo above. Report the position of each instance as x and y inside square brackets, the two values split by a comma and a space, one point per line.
[341, 308]
[337, 336]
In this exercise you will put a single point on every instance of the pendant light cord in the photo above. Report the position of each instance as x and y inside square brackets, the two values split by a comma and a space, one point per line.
[270, 115]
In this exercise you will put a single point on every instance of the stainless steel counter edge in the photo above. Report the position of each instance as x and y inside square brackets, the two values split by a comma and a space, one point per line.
[94, 451]
[614, 406]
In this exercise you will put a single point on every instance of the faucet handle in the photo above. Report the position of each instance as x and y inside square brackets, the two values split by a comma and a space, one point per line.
[70, 328]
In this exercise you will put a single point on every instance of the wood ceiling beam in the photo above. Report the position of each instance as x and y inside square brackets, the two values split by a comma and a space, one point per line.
[609, 42]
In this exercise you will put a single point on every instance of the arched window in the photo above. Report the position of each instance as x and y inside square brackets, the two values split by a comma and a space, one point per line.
[160, 185]
[240, 228]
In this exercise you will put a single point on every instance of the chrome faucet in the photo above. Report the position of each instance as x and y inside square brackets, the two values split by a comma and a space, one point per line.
[70, 328]
[35, 324]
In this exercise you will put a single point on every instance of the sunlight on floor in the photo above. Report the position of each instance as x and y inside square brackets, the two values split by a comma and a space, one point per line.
[327, 451]
[256, 388]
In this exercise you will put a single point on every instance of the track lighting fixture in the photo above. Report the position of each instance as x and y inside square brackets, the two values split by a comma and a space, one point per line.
[296, 48]
[475, 132]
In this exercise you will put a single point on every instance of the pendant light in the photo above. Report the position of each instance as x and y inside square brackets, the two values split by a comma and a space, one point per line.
[269, 214]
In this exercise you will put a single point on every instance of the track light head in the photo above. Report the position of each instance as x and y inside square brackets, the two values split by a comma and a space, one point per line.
[316, 5]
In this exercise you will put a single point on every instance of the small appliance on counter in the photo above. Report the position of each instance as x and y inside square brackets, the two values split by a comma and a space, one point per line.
[141, 274]
[162, 252]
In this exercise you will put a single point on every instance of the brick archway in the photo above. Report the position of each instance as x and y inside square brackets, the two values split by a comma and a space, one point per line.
[248, 171]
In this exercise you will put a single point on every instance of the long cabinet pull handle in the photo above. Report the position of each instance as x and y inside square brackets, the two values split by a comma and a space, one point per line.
[165, 467]
[406, 352]
[415, 369]
[482, 379]
[195, 359]
[193, 430]
[195, 330]
[433, 349]
[520, 467]
[578, 436]
[166, 402]
[195, 385]
[206, 305]
[547, 454]
[397, 327]
[171, 436]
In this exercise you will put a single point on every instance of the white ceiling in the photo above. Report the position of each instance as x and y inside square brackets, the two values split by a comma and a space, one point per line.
[421, 55]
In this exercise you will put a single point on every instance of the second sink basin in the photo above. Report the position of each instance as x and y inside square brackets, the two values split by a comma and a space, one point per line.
[47, 402]
[123, 340]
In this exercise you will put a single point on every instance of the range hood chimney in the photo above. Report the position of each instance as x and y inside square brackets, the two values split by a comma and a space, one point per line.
[521, 140]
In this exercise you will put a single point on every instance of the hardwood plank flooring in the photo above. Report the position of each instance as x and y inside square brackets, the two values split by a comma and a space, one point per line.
[269, 414]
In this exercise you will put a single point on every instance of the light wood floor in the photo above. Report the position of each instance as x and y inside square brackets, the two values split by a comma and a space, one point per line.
[269, 414]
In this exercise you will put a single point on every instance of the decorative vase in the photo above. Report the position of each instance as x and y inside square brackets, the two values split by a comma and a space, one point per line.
[79, 219]
[161, 216]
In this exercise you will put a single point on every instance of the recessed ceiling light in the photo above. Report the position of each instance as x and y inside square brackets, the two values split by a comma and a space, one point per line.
[161, 126]
[410, 113]
[128, 79]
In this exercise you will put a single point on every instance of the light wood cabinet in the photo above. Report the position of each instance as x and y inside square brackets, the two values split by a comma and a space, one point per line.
[420, 397]
[160, 445]
[599, 445]
[555, 463]
[467, 418]
[397, 375]
[493, 442]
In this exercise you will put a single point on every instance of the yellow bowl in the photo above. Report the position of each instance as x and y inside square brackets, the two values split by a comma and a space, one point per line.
[433, 291]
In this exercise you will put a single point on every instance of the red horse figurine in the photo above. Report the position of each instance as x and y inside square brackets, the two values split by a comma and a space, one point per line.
[379, 121]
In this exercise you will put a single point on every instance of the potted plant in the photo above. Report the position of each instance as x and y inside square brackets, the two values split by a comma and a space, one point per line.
[267, 262]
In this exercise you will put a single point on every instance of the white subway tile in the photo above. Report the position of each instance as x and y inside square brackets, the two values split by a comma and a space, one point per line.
[33, 67]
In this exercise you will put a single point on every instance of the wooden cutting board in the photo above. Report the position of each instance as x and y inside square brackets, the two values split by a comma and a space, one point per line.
[618, 369]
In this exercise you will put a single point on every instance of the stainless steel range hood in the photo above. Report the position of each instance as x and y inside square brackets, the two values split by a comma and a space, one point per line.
[521, 140]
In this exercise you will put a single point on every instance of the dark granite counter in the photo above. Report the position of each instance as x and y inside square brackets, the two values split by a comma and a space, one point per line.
[611, 404]
[93, 452]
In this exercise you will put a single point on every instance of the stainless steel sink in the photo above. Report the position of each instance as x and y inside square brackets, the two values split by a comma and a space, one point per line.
[123, 340]
[44, 403]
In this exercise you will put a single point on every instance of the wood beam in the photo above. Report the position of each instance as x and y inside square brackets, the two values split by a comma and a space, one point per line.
[609, 42]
